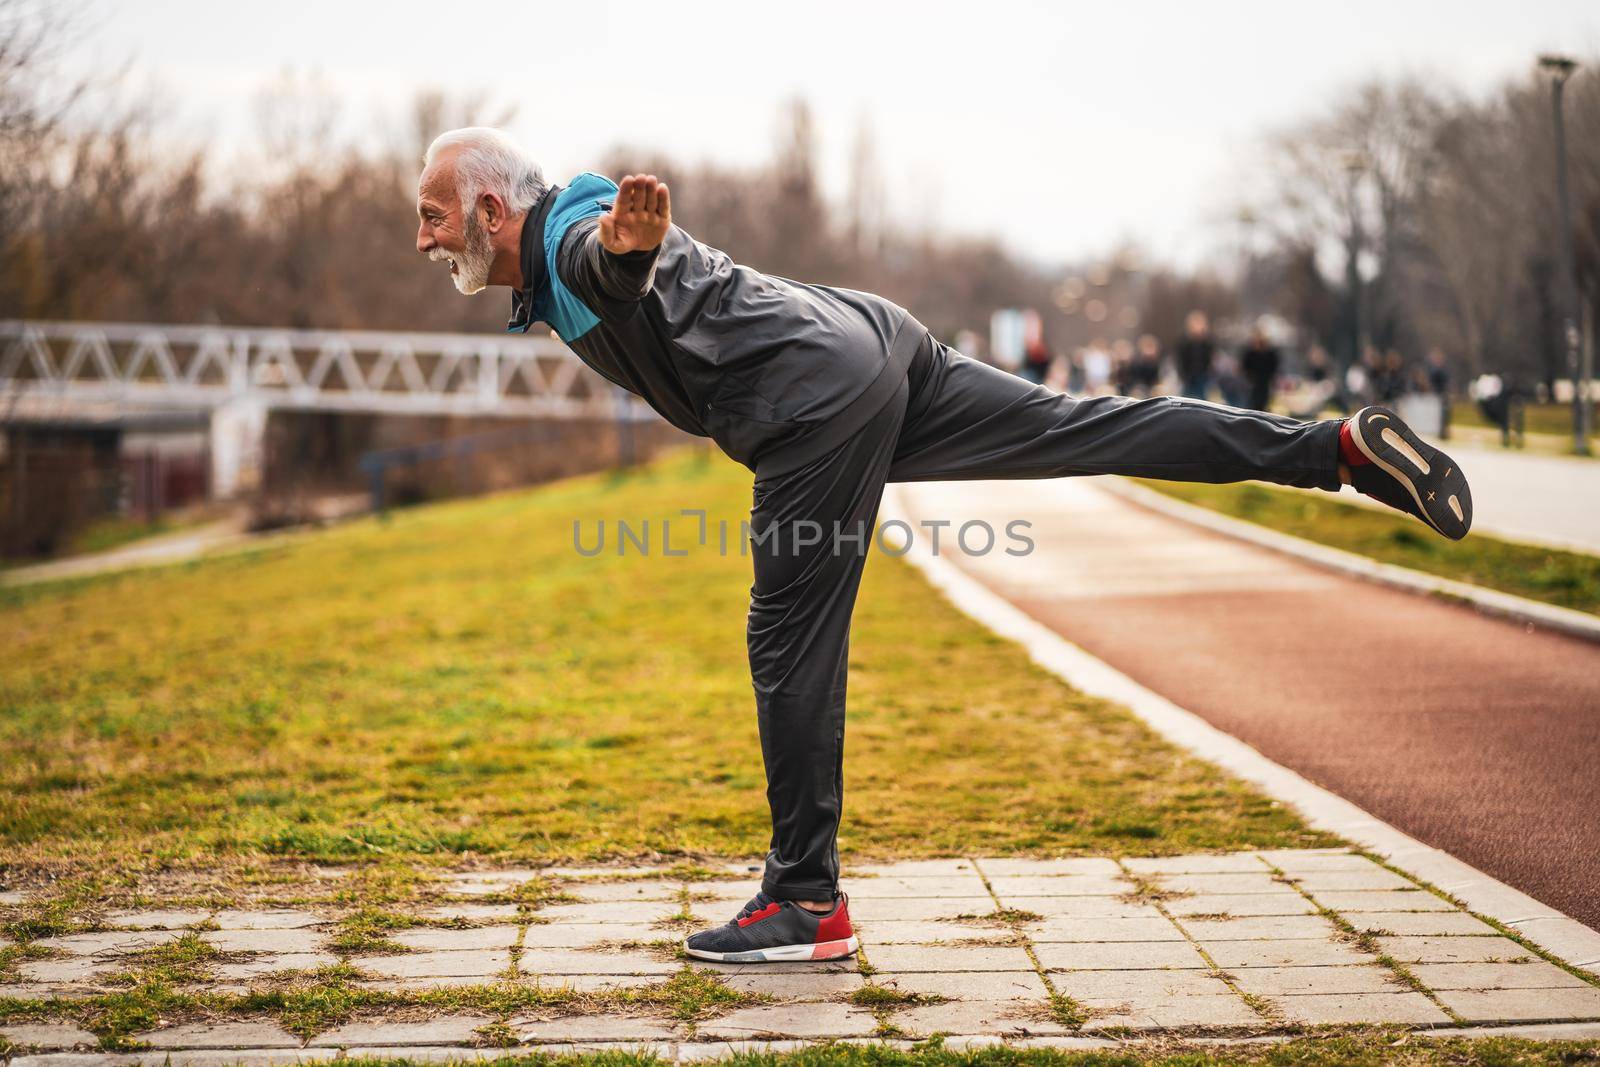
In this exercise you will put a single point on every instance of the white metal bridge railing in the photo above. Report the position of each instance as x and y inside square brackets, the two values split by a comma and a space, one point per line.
[55, 367]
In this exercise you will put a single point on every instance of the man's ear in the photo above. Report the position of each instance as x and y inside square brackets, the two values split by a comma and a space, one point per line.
[494, 212]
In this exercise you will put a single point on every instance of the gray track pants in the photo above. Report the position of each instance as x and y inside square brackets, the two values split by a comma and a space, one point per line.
[954, 418]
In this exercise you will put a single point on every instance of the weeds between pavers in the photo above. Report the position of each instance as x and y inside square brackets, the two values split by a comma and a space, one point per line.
[309, 1002]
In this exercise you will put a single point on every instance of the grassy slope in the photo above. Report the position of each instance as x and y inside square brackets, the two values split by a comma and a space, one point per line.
[460, 680]
[1568, 579]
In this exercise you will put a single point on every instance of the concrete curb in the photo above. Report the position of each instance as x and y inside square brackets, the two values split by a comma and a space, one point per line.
[1561, 936]
[1488, 601]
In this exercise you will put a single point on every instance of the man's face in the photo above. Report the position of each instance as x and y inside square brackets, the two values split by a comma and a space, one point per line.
[447, 233]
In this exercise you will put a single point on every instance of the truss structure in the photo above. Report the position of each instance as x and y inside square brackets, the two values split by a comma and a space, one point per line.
[65, 366]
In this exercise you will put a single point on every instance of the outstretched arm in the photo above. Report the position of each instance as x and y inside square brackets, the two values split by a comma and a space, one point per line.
[609, 260]
[639, 219]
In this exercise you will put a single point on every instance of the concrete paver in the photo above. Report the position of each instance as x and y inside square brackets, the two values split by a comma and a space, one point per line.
[1381, 900]
[301, 939]
[1421, 923]
[252, 1033]
[440, 1030]
[1522, 1005]
[1138, 987]
[1241, 905]
[1453, 949]
[1229, 863]
[884, 886]
[1170, 1014]
[270, 963]
[1297, 952]
[969, 985]
[868, 909]
[1283, 981]
[479, 937]
[1066, 885]
[1001, 867]
[904, 958]
[482, 963]
[1082, 907]
[77, 969]
[1222, 884]
[1349, 881]
[1323, 1009]
[825, 986]
[109, 942]
[920, 932]
[171, 919]
[583, 1028]
[275, 919]
[1149, 928]
[783, 1020]
[1002, 1017]
[1258, 927]
[48, 1035]
[1117, 955]
[586, 935]
[580, 961]
[633, 889]
[1524, 974]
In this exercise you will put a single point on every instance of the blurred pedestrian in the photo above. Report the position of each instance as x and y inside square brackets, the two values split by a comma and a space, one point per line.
[1196, 354]
[1146, 369]
[1261, 361]
[1389, 384]
[1036, 360]
[1321, 390]
[1122, 366]
[1439, 383]
[1096, 369]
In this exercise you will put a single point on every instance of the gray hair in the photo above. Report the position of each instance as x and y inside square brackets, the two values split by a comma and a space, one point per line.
[491, 162]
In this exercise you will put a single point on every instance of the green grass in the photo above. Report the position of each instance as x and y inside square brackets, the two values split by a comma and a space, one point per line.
[1550, 418]
[1566, 579]
[459, 682]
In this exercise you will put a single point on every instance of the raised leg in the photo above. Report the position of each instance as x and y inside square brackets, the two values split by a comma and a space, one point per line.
[968, 420]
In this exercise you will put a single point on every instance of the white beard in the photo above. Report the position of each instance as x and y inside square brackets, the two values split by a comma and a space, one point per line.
[472, 264]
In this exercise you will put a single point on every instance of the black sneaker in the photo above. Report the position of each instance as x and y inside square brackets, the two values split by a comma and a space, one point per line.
[769, 931]
[1409, 474]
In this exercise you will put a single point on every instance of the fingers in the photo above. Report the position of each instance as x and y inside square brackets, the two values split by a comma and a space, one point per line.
[663, 202]
[641, 193]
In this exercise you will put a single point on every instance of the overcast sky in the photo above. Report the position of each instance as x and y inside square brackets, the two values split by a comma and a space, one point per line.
[1059, 127]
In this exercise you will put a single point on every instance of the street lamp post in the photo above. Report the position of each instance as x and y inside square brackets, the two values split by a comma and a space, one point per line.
[1560, 68]
[1355, 165]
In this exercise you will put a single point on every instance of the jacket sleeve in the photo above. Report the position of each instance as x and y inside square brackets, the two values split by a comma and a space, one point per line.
[608, 283]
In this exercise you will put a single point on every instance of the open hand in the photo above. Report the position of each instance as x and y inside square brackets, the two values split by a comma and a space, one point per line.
[639, 218]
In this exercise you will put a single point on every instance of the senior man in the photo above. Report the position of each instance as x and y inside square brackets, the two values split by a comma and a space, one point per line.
[826, 394]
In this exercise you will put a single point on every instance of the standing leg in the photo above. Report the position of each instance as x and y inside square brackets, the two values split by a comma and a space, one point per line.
[969, 420]
[810, 532]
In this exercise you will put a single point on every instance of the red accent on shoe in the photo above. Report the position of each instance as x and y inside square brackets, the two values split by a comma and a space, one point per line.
[1348, 452]
[836, 926]
[765, 913]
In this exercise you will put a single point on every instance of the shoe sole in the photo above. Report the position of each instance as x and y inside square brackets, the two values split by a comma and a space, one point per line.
[1433, 479]
[822, 950]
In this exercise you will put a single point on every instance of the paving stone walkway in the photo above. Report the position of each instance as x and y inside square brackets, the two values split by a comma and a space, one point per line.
[1065, 953]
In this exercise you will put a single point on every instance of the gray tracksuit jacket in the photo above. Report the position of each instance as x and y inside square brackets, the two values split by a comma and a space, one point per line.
[775, 371]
